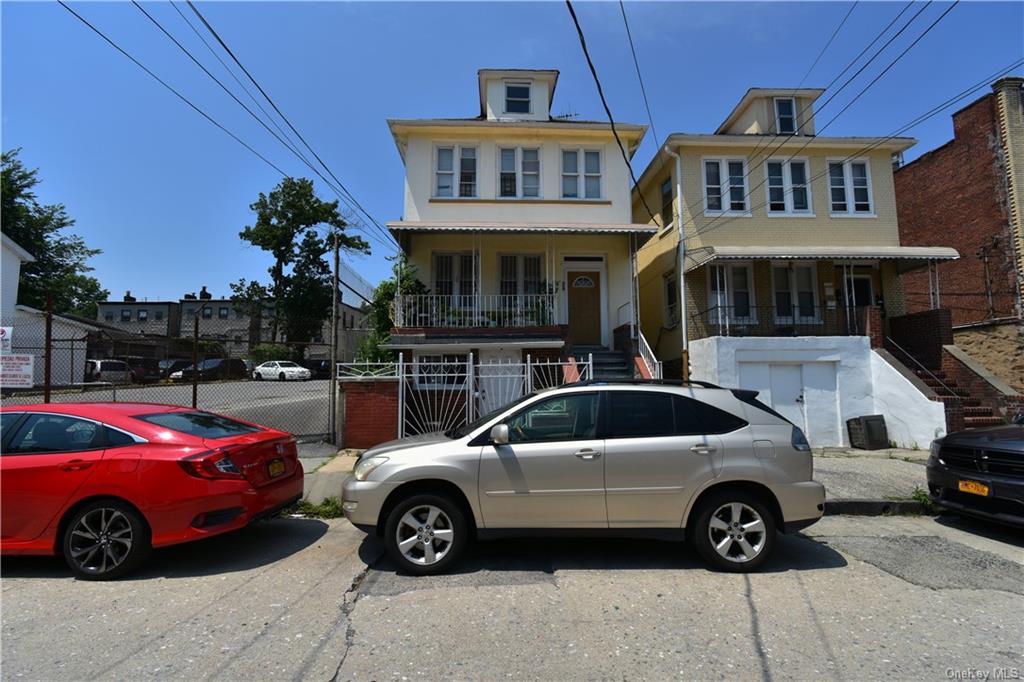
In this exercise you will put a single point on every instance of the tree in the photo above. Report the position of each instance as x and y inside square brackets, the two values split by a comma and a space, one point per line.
[285, 222]
[403, 279]
[60, 265]
[251, 298]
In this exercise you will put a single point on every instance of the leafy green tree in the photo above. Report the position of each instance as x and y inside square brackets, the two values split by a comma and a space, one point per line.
[403, 279]
[251, 298]
[285, 227]
[60, 265]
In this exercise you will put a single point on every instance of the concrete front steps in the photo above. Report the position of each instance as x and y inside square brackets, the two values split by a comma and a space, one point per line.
[608, 364]
[975, 414]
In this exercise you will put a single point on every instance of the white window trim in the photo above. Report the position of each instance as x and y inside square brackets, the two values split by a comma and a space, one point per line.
[775, 107]
[520, 270]
[581, 172]
[504, 97]
[671, 313]
[790, 319]
[519, 171]
[600, 266]
[787, 189]
[671, 202]
[456, 170]
[456, 273]
[848, 186]
[730, 302]
[723, 171]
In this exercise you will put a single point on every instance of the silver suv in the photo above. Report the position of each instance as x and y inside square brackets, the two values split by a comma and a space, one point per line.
[638, 458]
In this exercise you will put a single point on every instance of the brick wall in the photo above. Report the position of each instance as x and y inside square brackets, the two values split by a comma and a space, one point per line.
[923, 335]
[1002, 405]
[369, 412]
[956, 195]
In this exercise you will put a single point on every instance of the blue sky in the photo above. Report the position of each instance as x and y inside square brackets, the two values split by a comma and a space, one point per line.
[164, 193]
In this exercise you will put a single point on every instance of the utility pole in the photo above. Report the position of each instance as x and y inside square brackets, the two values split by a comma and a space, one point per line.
[48, 344]
[195, 359]
[332, 419]
[681, 267]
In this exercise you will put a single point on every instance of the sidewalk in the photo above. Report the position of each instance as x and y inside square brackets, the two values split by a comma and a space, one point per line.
[324, 475]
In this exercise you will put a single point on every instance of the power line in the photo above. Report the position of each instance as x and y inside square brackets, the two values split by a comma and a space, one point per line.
[821, 53]
[639, 77]
[263, 92]
[243, 105]
[607, 109]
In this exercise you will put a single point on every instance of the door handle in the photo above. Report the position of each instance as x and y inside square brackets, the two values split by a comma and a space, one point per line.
[703, 449]
[75, 465]
[587, 453]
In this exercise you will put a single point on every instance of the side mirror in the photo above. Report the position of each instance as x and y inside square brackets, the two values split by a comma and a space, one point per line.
[499, 434]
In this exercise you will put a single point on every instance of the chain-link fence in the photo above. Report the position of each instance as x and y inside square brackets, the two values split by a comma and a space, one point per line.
[55, 358]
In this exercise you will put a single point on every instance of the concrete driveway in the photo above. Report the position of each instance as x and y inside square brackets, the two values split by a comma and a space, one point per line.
[853, 598]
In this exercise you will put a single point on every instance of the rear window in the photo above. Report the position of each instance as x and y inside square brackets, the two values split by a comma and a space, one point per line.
[694, 418]
[639, 415]
[113, 366]
[287, 363]
[199, 424]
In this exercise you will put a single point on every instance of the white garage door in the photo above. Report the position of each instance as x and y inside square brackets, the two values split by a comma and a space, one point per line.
[803, 392]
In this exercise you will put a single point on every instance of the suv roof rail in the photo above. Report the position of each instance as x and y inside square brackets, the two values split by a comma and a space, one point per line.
[646, 382]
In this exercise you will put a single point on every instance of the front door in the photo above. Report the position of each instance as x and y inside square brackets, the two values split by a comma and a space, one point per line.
[585, 307]
[860, 294]
[551, 472]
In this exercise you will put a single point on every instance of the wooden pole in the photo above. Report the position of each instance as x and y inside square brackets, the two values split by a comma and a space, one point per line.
[48, 344]
[332, 419]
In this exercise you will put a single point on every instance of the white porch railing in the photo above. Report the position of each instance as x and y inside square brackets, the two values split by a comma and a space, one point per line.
[652, 362]
[474, 310]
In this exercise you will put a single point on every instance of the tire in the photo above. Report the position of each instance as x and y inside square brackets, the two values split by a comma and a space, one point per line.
[714, 527]
[281, 377]
[104, 555]
[257, 376]
[449, 520]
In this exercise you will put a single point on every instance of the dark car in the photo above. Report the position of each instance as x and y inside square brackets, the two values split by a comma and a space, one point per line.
[321, 369]
[169, 367]
[980, 473]
[144, 370]
[213, 369]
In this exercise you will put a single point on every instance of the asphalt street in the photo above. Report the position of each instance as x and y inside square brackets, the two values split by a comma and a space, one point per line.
[299, 407]
[850, 598]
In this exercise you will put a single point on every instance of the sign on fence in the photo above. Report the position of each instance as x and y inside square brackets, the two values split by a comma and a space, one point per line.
[17, 370]
[6, 333]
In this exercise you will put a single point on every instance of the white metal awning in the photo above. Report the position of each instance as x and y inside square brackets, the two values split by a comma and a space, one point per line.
[910, 257]
[567, 228]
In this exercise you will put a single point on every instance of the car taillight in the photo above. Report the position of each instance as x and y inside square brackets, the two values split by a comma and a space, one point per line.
[799, 441]
[211, 464]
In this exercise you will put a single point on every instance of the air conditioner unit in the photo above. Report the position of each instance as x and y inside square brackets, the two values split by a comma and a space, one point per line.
[868, 432]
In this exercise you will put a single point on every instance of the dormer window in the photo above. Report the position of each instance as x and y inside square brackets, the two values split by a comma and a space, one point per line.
[517, 98]
[785, 115]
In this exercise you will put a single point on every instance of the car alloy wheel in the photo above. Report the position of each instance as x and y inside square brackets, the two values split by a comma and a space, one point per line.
[424, 535]
[737, 532]
[281, 376]
[101, 540]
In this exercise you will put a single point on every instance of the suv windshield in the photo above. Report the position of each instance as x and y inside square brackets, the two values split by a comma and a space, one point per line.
[466, 429]
[201, 424]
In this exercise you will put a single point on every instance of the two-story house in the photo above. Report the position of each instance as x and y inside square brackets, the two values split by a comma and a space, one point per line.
[789, 271]
[519, 224]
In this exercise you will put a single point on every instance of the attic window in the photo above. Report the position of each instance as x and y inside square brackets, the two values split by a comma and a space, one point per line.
[517, 98]
[785, 116]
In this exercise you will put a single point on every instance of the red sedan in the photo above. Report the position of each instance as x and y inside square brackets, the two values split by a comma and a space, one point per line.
[104, 483]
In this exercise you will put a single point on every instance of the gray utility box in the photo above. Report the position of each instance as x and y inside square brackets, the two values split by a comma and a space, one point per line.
[868, 432]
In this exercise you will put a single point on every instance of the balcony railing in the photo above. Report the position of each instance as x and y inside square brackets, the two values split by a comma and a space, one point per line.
[474, 310]
[772, 321]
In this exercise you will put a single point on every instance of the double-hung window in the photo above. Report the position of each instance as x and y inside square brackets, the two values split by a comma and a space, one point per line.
[126, 315]
[520, 275]
[788, 188]
[142, 315]
[581, 174]
[453, 278]
[671, 298]
[445, 171]
[785, 115]
[795, 292]
[666, 202]
[518, 172]
[725, 186]
[517, 98]
[729, 292]
[849, 184]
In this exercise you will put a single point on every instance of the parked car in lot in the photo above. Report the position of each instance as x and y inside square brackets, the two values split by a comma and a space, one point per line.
[321, 369]
[641, 458]
[169, 367]
[101, 484]
[980, 473]
[144, 370]
[213, 369]
[281, 370]
[108, 371]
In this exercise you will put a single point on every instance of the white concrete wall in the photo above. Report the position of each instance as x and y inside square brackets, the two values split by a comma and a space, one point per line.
[864, 384]
[10, 271]
[912, 420]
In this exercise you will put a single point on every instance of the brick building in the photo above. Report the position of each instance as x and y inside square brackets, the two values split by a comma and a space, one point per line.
[968, 194]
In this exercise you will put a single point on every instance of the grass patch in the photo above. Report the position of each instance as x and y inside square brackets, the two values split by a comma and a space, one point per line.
[921, 495]
[330, 508]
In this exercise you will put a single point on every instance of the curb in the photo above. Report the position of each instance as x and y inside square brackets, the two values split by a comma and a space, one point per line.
[873, 507]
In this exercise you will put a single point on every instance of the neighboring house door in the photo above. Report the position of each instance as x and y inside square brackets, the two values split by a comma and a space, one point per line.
[861, 293]
[585, 307]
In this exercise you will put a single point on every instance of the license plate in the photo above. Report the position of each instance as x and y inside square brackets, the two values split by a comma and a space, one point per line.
[973, 487]
[275, 467]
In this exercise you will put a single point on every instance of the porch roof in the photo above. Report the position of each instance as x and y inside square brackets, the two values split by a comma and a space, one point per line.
[910, 256]
[566, 228]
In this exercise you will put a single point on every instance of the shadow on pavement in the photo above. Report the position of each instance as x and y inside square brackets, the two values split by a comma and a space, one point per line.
[255, 546]
[792, 553]
[988, 529]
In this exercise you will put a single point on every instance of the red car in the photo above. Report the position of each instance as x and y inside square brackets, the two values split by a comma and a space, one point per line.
[104, 483]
